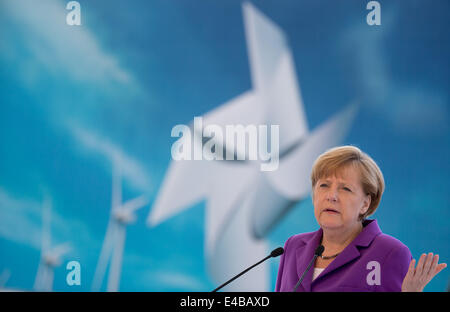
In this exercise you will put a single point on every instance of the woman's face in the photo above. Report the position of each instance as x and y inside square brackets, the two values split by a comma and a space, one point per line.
[340, 199]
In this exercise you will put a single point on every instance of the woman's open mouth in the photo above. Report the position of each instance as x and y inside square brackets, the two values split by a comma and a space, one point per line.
[330, 210]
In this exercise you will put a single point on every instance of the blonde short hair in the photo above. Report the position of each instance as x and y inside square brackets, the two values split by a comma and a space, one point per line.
[340, 157]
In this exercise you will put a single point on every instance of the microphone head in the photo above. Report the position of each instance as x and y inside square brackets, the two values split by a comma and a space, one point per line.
[277, 252]
[319, 250]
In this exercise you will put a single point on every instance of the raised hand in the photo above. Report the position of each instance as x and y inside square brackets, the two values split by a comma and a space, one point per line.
[418, 277]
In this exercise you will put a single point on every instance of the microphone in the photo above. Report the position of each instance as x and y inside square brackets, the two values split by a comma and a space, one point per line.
[275, 253]
[317, 253]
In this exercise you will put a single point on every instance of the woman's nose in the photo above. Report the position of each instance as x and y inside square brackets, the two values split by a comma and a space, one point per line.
[332, 195]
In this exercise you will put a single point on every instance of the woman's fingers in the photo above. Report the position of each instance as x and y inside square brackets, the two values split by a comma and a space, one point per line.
[428, 267]
[427, 263]
[411, 269]
[433, 266]
[439, 268]
[419, 268]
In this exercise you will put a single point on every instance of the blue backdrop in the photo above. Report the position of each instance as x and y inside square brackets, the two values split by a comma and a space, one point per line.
[71, 96]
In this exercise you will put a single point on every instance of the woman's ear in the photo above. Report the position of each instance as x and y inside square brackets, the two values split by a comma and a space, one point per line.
[366, 204]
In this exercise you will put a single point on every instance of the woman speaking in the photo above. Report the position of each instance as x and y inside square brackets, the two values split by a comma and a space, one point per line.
[347, 186]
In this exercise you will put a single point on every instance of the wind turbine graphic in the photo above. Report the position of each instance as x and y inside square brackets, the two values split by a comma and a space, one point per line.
[122, 214]
[50, 257]
[243, 203]
[4, 277]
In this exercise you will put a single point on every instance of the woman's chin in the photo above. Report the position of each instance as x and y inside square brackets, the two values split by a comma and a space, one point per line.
[330, 224]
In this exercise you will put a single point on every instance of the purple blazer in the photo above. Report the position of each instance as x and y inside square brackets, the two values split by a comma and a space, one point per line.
[373, 261]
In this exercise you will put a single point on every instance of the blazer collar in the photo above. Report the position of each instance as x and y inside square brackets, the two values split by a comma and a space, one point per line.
[305, 252]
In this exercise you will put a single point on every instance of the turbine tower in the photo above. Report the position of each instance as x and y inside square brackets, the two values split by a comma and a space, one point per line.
[122, 214]
[4, 277]
[50, 257]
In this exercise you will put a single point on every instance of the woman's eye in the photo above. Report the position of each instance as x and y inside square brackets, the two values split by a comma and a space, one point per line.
[347, 189]
[323, 185]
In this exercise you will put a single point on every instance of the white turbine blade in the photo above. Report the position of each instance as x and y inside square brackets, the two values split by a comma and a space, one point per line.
[116, 196]
[327, 135]
[185, 184]
[273, 75]
[135, 203]
[265, 44]
[105, 254]
[245, 109]
[116, 260]
[236, 250]
[282, 189]
[189, 180]
[286, 105]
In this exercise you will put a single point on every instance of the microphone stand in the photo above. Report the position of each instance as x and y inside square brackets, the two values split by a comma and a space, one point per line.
[304, 273]
[226, 283]
[275, 253]
[318, 252]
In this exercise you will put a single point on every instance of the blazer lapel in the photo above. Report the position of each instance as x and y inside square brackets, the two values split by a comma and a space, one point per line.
[351, 252]
[304, 255]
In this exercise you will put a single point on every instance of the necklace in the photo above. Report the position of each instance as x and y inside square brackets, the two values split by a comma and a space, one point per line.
[329, 257]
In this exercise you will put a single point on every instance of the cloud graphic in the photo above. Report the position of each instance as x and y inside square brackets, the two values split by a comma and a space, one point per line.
[412, 109]
[71, 51]
[132, 170]
[21, 222]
